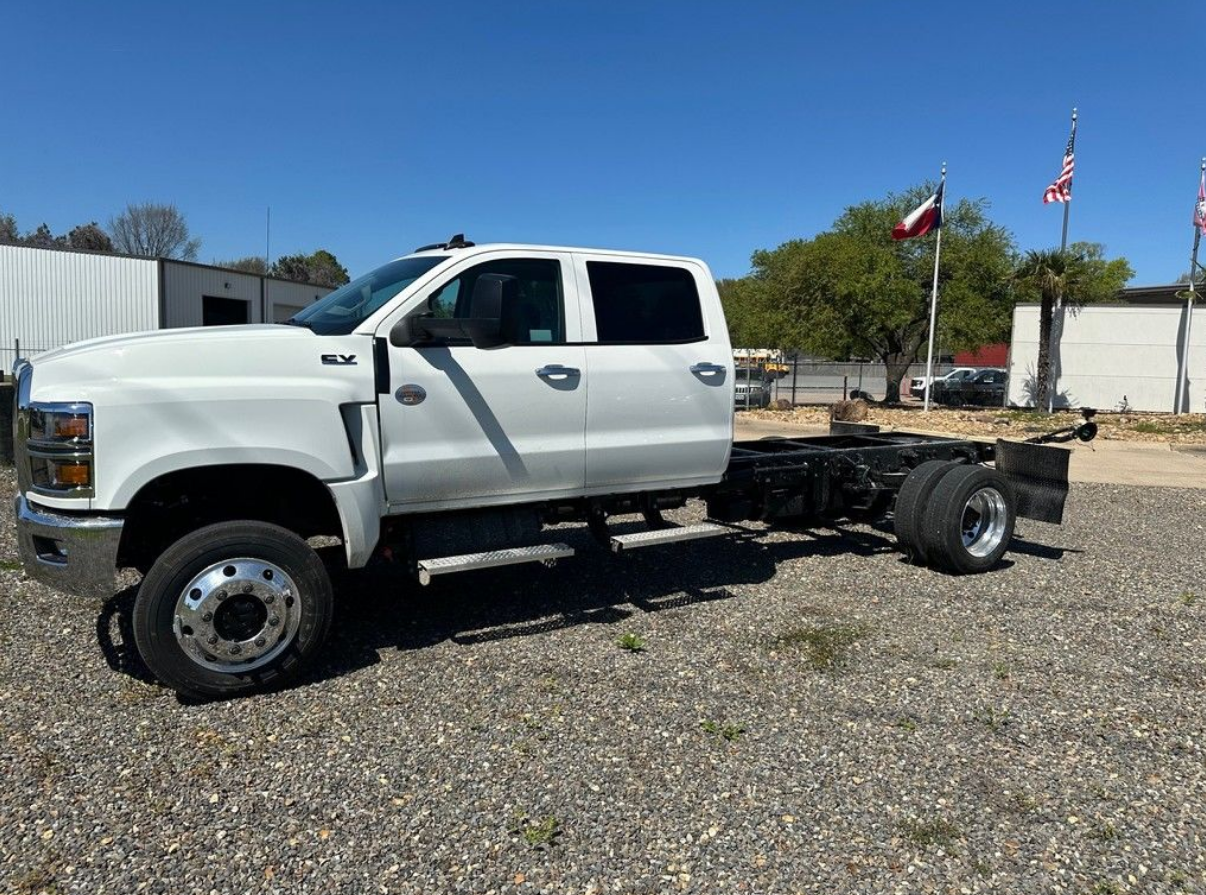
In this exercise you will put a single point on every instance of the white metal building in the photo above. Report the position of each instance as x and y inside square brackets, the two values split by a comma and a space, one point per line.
[1110, 356]
[50, 297]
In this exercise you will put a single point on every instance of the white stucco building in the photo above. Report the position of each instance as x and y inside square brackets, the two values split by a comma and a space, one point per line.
[1114, 355]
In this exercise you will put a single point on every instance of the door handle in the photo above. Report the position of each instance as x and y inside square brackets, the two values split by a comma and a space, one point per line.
[707, 369]
[557, 371]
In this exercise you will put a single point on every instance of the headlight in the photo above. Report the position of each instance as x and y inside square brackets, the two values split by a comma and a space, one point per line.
[60, 424]
[59, 447]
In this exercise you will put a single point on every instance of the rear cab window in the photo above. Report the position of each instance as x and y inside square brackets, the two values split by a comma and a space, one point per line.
[644, 304]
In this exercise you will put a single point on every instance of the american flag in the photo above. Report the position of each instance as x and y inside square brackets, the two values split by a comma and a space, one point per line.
[1061, 190]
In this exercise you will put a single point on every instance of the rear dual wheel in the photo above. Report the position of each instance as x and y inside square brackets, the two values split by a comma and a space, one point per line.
[955, 517]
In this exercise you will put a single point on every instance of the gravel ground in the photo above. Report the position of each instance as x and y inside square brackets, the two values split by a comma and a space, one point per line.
[809, 714]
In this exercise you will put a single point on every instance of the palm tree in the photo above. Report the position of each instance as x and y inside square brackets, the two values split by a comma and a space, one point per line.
[1056, 276]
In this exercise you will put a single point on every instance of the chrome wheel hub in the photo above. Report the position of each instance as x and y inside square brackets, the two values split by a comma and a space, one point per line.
[237, 615]
[983, 523]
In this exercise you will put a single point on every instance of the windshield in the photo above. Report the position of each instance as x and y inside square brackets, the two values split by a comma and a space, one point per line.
[342, 311]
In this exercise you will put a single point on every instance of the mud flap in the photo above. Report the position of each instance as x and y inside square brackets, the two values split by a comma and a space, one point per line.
[1039, 475]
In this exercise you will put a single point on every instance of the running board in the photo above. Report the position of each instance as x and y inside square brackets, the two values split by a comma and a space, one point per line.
[652, 538]
[445, 565]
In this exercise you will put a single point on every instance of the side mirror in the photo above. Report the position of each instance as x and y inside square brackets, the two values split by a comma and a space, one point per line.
[402, 334]
[494, 296]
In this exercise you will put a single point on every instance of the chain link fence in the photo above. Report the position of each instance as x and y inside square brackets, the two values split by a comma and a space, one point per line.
[799, 382]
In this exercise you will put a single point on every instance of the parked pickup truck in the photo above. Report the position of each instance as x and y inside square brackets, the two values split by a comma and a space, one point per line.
[440, 412]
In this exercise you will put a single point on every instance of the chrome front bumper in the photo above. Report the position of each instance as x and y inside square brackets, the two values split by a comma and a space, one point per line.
[73, 554]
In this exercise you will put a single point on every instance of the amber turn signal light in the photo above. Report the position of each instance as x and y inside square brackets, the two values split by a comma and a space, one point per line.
[74, 426]
[77, 475]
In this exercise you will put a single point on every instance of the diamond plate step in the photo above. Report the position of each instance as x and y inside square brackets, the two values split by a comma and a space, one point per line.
[657, 536]
[445, 565]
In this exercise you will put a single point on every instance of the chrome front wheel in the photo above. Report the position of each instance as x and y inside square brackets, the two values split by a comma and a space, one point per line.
[237, 615]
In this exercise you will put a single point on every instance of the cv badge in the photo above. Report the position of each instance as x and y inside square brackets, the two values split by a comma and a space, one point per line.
[410, 394]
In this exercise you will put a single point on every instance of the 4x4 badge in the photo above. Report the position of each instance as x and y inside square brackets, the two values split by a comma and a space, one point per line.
[339, 359]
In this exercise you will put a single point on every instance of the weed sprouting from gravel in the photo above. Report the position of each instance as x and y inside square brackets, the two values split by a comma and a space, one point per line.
[10, 565]
[1188, 598]
[1178, 879]
[38, 882]
[1000, 671]
[982, 868]
[1104, 832]
[633, 643]
[944, 664]
[907, 724]
[826, 647]
[993, 718]
[537, 833]
[730, 732]
[1106, 887]
[1023, 802]
[938, 831]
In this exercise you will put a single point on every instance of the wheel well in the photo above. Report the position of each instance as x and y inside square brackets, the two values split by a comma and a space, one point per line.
[169, 507]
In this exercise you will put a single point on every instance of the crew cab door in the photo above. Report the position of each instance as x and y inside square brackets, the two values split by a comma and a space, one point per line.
[660, 370]
[465, 426]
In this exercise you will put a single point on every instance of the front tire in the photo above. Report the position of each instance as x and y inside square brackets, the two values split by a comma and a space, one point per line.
[233, 609]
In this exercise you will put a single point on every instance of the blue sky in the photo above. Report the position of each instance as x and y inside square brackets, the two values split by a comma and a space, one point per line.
[703, 128]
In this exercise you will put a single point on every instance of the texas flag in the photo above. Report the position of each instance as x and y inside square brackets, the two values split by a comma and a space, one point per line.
[1199, 210]
[926, 217]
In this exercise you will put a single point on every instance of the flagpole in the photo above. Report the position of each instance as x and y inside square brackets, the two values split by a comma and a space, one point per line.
[929, 361]
[1059, 301]
[1181, 405]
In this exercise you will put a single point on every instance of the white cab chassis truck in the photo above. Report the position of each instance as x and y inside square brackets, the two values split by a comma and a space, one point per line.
[440, 411]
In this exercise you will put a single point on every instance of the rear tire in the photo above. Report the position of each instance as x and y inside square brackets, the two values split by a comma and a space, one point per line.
[969, 520]
[911, 503]
[233, 609]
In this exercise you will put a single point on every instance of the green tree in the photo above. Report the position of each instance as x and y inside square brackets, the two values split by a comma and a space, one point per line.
[8, 229]
[1077, 276]
[854, 291]
[321, 268]
[42, 238]
[89, 237]
[251, 264]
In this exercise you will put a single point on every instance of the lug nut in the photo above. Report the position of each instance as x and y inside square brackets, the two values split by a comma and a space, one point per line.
[274, 621]
[260, 641]
[269, 598]
[222, 595]
[247, 588]
[213, 638]
[207, 617]
[234, 650]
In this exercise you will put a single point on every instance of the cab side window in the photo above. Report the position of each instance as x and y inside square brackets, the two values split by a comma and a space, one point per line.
[538, 315]
[644, 304]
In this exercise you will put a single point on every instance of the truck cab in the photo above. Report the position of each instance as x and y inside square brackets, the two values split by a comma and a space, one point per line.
[507, 380]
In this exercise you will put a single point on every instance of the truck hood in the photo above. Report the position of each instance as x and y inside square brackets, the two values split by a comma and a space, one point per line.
[260, 357]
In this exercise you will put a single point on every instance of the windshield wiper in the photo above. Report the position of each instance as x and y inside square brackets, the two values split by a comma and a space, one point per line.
[293, 321]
